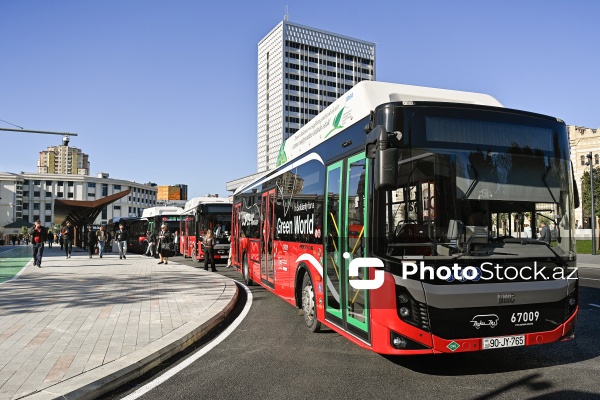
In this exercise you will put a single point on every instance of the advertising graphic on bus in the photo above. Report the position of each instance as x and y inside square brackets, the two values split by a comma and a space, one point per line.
[398, 218]
[199, 215]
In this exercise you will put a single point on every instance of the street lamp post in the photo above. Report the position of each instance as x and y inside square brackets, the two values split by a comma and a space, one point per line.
[593, 219]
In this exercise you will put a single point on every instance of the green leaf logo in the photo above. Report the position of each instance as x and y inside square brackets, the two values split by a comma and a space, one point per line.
[281, 157]
[336, 122]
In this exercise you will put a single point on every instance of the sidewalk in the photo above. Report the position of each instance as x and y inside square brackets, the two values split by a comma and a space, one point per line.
[588, 261]
[77, 325]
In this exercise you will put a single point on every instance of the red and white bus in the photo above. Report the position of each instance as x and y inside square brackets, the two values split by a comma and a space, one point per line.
[199, 215]
[396, 218]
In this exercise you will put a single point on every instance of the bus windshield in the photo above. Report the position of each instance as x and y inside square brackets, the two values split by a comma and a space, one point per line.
[457, 188]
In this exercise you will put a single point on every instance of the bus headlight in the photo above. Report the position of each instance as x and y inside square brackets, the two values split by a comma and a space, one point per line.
[410, 310]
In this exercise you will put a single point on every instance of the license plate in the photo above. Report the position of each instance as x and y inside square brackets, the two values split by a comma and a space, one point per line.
[503, 341]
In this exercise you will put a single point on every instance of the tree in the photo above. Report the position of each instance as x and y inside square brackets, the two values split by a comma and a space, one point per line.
[586, 198]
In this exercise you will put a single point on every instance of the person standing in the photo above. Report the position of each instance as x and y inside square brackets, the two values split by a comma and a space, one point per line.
[209, 244]
[229, 264]
[101, 238]
[67, 234]
[151, 238]
[545, 233]
[38, 236]
[50, 239]
[121, 238]
[164, 245]
[91, 240]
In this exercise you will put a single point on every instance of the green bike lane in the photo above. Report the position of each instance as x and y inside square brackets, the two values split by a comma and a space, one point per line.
[12, 261]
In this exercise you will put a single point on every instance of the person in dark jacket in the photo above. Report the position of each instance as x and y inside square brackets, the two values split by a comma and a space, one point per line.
[121, 238]
[39, 235]
[545, 233]
[208, 244]
[68, 233]
[164, 245]
[91, 241]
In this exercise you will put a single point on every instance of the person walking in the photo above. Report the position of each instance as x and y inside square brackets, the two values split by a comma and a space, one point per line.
[68, 234]
[91, 241]
[176, 243]
[121, 238]
[50, 239]
[151, 238]
[60, 241]
[545, 233]
[164, 245]
[38, 235]
[209, 244]
[101, 238]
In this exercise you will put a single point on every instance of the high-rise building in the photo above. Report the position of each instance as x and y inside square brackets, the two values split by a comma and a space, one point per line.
[183, 191]
[169, 193]
[301, 71]
[63, 160]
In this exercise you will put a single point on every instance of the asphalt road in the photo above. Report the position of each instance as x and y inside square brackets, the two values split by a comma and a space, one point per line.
[271, 355]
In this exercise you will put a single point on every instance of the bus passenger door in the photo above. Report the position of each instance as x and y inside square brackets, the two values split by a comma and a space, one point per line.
[345, 228]
[267, 211]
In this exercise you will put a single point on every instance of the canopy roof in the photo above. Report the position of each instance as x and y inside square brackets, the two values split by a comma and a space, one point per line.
[81, 212]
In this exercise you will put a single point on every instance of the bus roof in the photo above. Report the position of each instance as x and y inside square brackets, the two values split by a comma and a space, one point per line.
[358, 102]
[161, 210]
[196, 201]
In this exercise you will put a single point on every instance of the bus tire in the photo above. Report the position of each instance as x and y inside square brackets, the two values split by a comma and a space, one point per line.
[246, 272]
[309, 305]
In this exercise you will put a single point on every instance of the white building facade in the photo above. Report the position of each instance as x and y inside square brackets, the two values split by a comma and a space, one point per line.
[30, 196]
[583, 141]
[301, 71]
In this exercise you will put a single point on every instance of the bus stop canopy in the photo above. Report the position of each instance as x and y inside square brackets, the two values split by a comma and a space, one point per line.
[81, 212]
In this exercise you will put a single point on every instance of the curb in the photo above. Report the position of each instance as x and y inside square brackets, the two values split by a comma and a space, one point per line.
[99, 381]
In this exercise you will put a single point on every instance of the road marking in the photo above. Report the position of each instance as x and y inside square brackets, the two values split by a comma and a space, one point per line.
[595, 305]
[180, 367]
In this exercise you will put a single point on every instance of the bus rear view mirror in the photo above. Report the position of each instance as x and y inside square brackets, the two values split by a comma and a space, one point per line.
[386, 160]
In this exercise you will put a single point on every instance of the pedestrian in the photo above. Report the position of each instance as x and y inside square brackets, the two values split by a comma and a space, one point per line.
[164, 245]
[50, 239]
[545, 233]
[109, 244]
[208, 243]
[68, 233]
[61, 241]
[229, 264]
[151, 238]
[101, 238]
[121, 238]
[176, 243]
[38, 236]
[91, 240]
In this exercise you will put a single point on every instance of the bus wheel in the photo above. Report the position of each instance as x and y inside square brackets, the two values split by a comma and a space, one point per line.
[247, 280]
[309, 308]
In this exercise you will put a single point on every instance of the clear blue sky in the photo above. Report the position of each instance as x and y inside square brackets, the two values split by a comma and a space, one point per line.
[165, 91]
